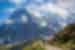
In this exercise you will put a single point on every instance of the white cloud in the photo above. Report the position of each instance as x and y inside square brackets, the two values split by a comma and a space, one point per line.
[8, 21]
[66, 3]
[37, 14]
[51, 8]
[69, 5]
[17, 2]
[34, 12]
[38, 0]
[43, 24]
[24, 19]
[9, 11]
[54, 9]
[63, 24]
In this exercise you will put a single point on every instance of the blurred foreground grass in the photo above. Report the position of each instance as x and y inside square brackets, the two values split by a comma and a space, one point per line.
[36, 45]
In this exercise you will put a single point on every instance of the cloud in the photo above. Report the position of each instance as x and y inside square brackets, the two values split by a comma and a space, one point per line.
[9, 11]
[49, 7]
[38, 13]
[53, 9]
[8, 21]
[24, 19]
[38, 1]
[17, 2]
[65, 3]
[43, 24]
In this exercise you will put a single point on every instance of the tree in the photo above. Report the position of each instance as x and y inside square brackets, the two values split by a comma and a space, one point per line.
[66, 35]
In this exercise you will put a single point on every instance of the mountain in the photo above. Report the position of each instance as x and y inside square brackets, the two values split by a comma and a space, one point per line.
[21, 30]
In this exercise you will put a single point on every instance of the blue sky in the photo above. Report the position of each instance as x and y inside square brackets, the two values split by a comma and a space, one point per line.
[8, 4]
[4, 4]
[7, 7]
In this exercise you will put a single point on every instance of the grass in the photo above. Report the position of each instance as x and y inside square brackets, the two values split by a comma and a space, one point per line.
[36, 45]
